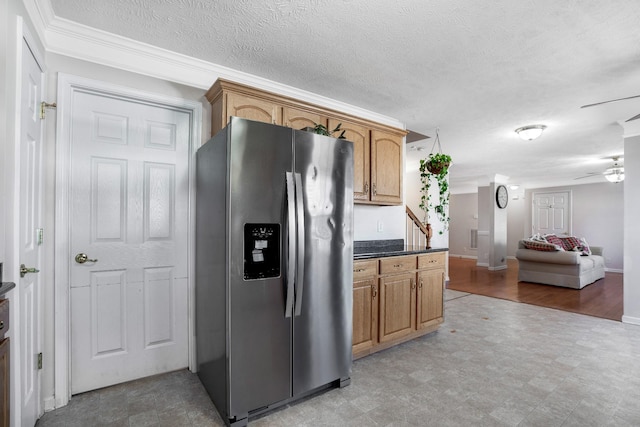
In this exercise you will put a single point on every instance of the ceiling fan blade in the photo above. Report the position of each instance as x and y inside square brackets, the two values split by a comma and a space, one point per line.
[633, 118]
[590, 174]
[611, 100]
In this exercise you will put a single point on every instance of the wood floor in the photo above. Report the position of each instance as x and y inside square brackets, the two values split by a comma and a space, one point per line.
[601, 299]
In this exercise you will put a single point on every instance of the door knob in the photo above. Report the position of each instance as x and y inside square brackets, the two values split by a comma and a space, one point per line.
[24, 270]
[82, 258]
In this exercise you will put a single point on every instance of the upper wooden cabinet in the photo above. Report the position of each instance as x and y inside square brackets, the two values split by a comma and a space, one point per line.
[251, 108]
[378, 169]
[299, 119]
[386, 168]
[360, 136]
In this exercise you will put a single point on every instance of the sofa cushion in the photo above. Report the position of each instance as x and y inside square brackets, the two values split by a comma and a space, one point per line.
[546, 257]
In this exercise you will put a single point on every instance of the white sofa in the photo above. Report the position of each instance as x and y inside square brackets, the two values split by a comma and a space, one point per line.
[560, 268]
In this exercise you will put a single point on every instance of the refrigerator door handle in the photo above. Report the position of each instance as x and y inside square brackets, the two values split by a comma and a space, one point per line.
[301, 243]
[291, 242]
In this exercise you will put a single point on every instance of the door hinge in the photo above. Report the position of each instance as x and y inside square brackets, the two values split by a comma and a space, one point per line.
[39, 360]
[40, 234]
[44, 105]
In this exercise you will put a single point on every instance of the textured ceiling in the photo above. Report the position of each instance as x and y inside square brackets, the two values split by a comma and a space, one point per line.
[475, 70]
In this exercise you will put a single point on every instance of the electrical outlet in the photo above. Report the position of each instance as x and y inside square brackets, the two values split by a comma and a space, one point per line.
[380, 226]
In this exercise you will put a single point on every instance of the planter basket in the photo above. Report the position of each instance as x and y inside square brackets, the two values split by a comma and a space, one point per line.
[437, 168]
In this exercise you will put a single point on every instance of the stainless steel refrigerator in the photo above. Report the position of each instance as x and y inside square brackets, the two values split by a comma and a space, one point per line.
[274, 256]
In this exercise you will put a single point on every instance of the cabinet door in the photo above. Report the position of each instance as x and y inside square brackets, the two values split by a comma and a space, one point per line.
[248, 107]
[430, 298]
[359, 135]
[365, 314]
[4, 383]
[397, 306]
[386, 168]
[300, 119]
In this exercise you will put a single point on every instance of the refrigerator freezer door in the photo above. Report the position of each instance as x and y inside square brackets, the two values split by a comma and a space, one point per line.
[322, 332]
[259, 333]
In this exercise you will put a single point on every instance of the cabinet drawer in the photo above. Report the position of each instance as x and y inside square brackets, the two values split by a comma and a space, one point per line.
[4, 317]
[363, 269]
[397, 264]
[432, 260]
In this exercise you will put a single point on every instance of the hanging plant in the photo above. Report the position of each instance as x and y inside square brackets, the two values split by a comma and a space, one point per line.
[323, 130]
[436, 166]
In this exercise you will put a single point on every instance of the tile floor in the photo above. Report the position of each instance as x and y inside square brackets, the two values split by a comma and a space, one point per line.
[492, 363]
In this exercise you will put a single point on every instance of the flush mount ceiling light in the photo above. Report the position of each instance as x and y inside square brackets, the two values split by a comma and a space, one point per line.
[530, 132]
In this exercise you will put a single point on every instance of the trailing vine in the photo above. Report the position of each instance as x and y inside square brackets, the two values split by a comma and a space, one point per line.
[437, 166]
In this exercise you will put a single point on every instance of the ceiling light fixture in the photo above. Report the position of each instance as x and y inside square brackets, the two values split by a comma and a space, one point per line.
[615, 174]
[531, 132]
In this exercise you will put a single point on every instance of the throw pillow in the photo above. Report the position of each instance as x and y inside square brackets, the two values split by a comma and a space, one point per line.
[540, 246]
[554, 240]
[570, 242]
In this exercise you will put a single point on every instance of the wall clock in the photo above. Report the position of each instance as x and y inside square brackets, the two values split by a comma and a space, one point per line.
[502, 196]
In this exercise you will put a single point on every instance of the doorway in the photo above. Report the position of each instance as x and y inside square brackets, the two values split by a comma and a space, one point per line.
[123, 234]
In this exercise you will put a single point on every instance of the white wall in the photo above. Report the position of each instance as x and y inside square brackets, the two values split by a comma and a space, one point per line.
[497, 231]
[631, 227]
[369, 219]
[464, 218]
[484, 226]
[516, 226]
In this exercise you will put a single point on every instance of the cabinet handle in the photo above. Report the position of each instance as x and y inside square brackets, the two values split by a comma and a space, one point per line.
[420, 283]
[359, 270]
[373, 186]
[413, 284]
[366, 187]
[397, 265]
[375, 292]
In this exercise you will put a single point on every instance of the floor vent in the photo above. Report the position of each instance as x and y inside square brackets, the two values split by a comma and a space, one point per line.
[473, 239]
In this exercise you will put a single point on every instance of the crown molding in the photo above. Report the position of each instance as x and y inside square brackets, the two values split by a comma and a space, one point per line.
[630, 128]
[64, 37]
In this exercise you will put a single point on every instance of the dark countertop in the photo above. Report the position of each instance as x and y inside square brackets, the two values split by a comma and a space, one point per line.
[365, 249]
[6, 287]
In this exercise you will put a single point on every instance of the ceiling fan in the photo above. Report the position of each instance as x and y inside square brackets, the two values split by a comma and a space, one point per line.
[613, 174]
[614, 100]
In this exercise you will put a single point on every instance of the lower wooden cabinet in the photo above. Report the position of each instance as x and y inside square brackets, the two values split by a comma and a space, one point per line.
[430, 297]
[365, 305]
[4, 364]
[4, 382]
[396, 299]
[397, 306]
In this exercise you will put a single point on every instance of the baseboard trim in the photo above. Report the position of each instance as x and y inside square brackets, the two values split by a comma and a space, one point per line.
[483, 264]
[614, 270]
[463, 256]
[498, 268]
[631, 320]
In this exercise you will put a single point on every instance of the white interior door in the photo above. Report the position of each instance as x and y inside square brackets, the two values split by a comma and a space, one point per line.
[129, 207]
[30, 242]
[552, 213]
